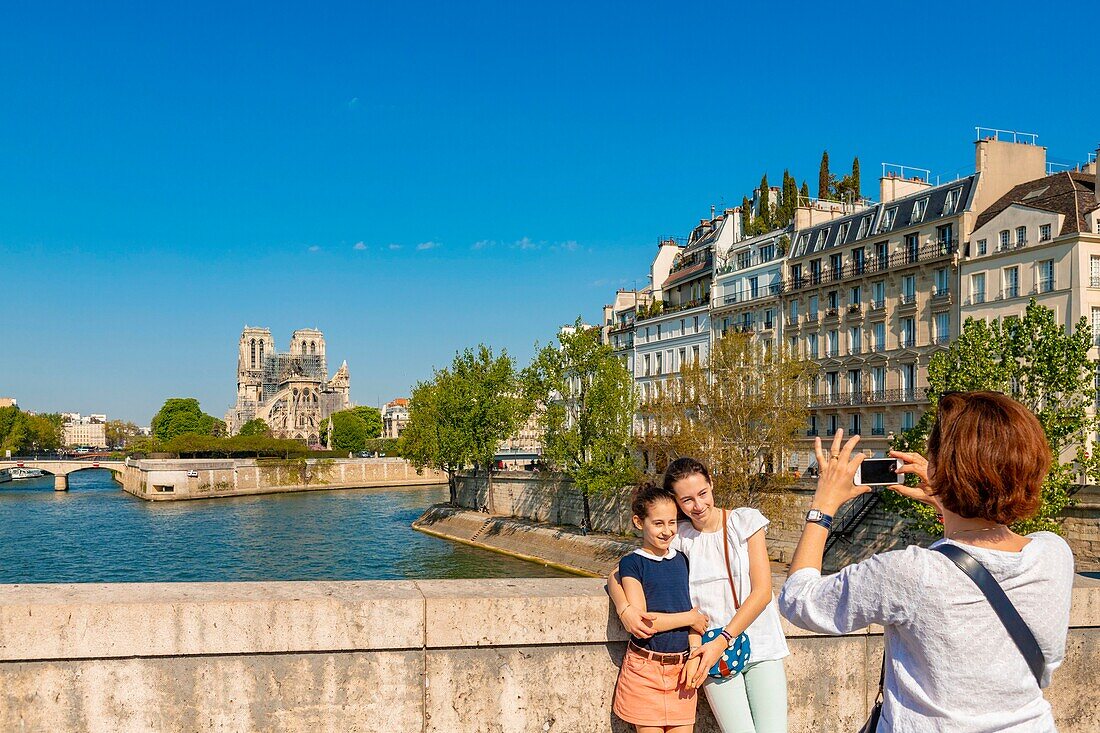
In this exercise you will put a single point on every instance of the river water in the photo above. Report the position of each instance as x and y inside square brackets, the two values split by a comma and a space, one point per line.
[96, 533]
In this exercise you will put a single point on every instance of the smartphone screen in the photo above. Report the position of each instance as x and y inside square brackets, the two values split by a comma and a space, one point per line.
[878, 471]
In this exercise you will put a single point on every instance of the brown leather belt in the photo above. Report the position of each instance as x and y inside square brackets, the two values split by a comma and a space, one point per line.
[660, 658]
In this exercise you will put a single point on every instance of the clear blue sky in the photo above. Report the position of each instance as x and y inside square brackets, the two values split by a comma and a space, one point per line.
[416, 179]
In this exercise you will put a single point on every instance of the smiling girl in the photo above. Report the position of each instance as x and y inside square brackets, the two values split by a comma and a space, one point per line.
[654, 691]
[754, 701]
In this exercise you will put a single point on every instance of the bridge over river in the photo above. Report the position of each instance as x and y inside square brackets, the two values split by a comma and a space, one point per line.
[60, 468]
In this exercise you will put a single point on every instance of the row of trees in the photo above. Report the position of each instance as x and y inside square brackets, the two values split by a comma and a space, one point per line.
[22, 433]
[352, 429]
[777, 214]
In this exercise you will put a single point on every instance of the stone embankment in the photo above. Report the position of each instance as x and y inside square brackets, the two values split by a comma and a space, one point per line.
[563, 547]
[456, 656]
[175, 480]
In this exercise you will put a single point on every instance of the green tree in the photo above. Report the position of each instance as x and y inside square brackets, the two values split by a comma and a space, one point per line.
[349, 431]
[788, 200]
[746, 214]
[255, 427]
[765, 212]
[1043, 365]
[183, 416]
[589, 402]
[372, 418]
[824, 178]
[494, 405]
[804, 193]
[22, 433]
[856, 185]
[435, 435]
[121, 432]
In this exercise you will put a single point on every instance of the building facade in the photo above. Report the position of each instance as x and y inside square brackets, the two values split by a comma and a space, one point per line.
[290, 391]
[395, 416]
[871, 291]
[89, 431]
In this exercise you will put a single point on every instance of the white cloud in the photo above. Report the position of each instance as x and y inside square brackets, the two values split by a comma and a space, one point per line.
[359, 246]
[426, 245]
[483, 244]
[395, 246]
[526, 243]
[569, 246]
[315, 248]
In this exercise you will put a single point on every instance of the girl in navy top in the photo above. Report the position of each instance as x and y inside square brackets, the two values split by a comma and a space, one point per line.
[654, 691]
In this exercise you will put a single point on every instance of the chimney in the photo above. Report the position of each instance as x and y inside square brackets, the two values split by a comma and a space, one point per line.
[892, 186]
[1003, 165]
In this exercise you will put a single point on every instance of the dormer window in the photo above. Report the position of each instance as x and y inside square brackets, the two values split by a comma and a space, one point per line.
[919, 207]
[802, 240]
[951, 201]
[843, 234]
[887, 222]
[822, 235]
[864, 227]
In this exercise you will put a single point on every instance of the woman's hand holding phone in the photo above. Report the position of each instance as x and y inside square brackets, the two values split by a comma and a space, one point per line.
[917, 465]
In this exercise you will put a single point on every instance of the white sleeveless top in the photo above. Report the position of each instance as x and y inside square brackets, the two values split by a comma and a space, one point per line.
[710, 588]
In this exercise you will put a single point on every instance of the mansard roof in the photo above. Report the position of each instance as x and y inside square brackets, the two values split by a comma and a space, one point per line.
[901, 212]
[1071, 193]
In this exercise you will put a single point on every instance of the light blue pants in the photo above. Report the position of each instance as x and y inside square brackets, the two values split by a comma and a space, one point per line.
[754, 701]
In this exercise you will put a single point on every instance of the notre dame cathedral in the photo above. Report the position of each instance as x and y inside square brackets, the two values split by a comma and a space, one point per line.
[291, 392]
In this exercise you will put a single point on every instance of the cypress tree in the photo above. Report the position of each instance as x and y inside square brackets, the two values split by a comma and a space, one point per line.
[746, 214]
[765, 203]
[790, 199]
[805, 193]
[856, 189]
[824, 178]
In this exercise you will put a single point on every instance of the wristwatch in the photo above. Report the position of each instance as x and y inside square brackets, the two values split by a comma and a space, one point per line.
[819, 517]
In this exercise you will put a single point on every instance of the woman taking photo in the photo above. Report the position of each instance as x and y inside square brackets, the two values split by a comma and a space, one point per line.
[950, 663]
[755, 700]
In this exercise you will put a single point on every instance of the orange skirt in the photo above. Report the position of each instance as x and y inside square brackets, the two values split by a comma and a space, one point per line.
[650, 693]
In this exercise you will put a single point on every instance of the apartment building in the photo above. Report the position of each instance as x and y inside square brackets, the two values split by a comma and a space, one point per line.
[395, 416]
[876, 292]
[1040, 240]
[748, 286]
[678, 332]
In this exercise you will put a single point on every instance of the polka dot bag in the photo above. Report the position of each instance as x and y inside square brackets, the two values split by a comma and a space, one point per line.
[734, 659]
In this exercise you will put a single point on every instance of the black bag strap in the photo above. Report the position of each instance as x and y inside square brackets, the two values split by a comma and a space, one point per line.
[1010, 617]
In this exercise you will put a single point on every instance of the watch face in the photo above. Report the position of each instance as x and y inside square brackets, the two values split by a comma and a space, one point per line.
[813, 515]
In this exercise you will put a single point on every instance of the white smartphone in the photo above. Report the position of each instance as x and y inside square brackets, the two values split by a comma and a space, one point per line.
[878, 473]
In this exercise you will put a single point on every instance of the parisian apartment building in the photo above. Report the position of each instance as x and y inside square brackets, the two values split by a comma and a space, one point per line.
[871, 290]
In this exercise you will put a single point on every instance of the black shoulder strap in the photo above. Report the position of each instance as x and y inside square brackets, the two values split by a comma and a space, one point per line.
[1010, 617]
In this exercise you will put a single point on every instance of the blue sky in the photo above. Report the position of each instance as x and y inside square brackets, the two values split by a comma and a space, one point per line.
[416, 179]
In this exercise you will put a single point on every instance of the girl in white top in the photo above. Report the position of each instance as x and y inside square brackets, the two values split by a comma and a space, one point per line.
[950, 663]
[754, 701]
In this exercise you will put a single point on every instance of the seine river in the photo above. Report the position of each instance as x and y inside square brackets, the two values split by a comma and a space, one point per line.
[96, 533]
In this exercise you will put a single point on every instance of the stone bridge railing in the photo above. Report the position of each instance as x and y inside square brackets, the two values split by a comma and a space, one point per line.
[488, 655]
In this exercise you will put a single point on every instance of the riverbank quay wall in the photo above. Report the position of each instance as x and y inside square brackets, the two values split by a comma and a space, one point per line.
[553, 499]
[205, 478]
[468, 656]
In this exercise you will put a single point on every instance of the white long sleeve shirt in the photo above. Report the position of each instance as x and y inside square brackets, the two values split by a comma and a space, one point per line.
[951, 666]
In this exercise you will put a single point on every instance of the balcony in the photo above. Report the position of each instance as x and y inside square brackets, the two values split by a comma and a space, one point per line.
[939, 293]
[878, 431]
[935, 250]
[855, 309]
[792, 321]
[876, 348]
[907, 342]
[811, 432]
[943, 338]
[832, 353]
[907, 299]
[877, 305]
[855, 350]
[670, 308]
[811, 318]
[1010, 292]
[832, 313]
[886, 396]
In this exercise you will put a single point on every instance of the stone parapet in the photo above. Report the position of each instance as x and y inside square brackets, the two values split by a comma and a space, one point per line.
[206, 478]
[485, 655]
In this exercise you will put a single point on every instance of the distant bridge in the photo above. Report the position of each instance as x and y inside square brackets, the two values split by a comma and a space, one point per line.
[60, 468]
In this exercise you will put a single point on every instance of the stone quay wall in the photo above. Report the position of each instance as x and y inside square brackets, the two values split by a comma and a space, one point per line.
[488, 656]
[554, 500]
[180, 479]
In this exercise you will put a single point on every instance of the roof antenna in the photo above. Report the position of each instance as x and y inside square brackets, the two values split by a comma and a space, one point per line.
[712, 211]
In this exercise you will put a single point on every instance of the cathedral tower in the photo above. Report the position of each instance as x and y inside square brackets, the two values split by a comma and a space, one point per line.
[255, 346]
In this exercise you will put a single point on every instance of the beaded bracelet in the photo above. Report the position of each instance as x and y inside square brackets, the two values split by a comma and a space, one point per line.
[728, 635]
